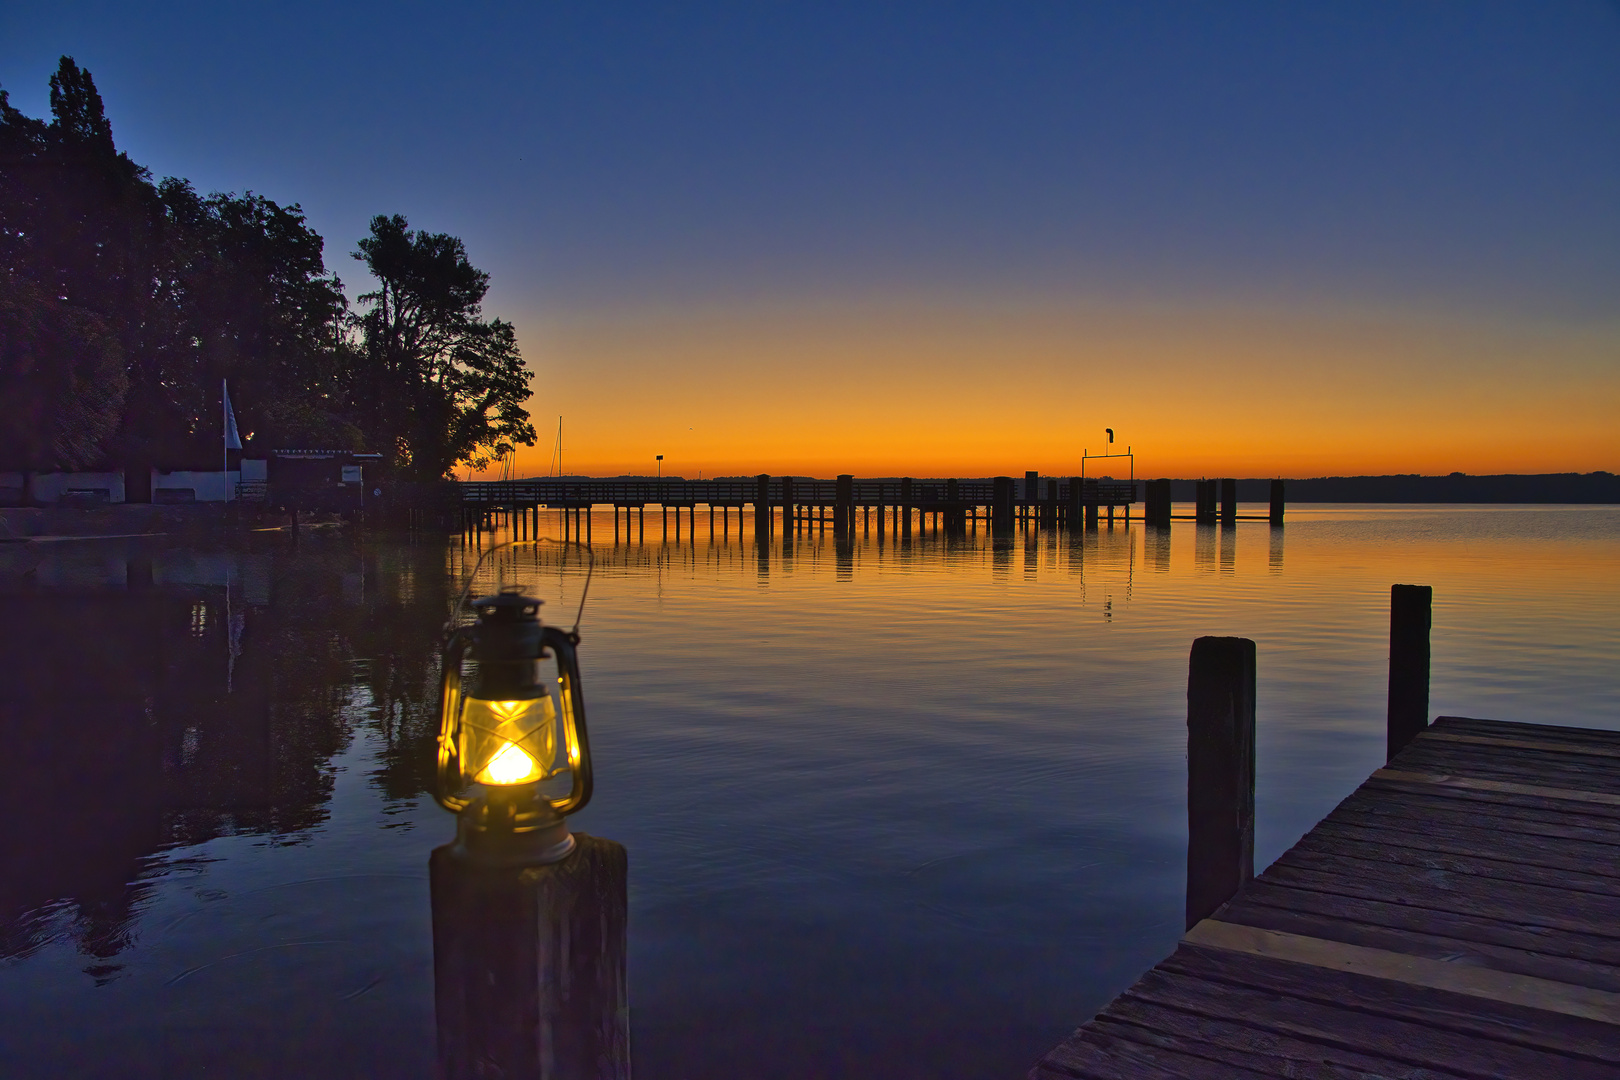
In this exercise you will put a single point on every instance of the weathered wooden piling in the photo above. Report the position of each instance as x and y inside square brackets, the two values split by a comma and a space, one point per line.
[1162, 503]
[905, 506]
[1032, 483]
[1001, 510]
[1220, 772]
[790, 521]
[1410, 618]
[762, 504]
[1228, 501]
[529, 971]
[844, 504]
[1204, 502]
[1276, 502]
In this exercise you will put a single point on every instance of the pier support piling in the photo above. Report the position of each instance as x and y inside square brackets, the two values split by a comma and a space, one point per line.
[1220, 772]
[1411, 609]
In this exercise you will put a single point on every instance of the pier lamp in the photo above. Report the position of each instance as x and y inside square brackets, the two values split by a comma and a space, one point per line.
[514, 758]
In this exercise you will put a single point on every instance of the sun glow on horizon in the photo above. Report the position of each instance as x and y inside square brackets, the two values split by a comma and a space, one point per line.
[959, 390]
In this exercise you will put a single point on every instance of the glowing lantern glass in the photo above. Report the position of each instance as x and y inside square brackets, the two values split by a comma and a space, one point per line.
[513, 754]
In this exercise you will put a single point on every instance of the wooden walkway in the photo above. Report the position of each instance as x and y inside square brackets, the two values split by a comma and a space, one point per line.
[1457, 916]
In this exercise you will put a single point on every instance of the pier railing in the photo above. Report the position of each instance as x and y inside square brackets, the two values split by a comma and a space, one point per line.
[925, 494]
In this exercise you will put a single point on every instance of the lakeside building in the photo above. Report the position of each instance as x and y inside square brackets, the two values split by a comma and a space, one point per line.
[308, 479]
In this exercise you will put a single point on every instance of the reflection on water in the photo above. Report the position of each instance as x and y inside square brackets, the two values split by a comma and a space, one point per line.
[908, 805]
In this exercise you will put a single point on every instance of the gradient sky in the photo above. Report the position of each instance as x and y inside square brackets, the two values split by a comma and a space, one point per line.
[945, 238]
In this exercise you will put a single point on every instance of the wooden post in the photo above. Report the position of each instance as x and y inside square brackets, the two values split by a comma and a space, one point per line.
[789, 520]
[762, 504]
[1204, 502]
[844, 505]
[1410, 617]
[1032, 483]
[1220, 772]
[1228, 502]
[1001, 507]
[1050, 509]
[1276, 502]
[905, 506]
[529, 966]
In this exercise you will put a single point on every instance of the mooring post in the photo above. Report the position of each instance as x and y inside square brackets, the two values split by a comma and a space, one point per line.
[789, 519]
[844, 504]
[1001, 507]
[1220, 772]
[1411, 609]
[1032, 483]
[1276, 502]
[762, 504]
[1228, 501]
[905, 506]
[529, 965]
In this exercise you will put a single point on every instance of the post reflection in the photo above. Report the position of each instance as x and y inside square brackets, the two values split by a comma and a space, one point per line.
[1158, 545]
[1204, 547]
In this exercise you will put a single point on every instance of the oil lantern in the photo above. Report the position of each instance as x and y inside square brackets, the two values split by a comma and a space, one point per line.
[514, 758]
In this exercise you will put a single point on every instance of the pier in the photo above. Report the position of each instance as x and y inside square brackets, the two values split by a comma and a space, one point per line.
[1457, 916]
[956, 506]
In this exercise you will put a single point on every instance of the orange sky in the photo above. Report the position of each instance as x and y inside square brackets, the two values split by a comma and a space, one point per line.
[940, 388]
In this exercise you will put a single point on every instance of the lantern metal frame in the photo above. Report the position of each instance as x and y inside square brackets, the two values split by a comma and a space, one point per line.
[512, 823]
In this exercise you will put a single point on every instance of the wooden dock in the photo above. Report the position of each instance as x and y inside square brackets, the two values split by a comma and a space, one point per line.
[1457, 916]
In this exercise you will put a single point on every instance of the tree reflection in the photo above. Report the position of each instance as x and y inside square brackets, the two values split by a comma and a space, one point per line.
[186, 695]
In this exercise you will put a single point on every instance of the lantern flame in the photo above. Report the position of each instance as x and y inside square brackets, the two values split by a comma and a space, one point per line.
[510, 765]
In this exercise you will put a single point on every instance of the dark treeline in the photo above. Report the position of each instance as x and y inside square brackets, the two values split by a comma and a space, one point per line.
[124, 301]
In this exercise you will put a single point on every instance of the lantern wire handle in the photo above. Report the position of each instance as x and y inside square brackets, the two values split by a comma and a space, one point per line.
[472, 575]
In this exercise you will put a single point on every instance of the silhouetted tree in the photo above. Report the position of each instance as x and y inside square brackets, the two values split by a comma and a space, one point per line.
[126, 301]
[62, 381]
[444, 386]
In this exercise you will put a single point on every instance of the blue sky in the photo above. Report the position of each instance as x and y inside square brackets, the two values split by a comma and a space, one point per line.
[1436, 161]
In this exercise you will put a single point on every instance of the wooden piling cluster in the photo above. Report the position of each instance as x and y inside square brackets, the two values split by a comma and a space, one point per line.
[1452, 918]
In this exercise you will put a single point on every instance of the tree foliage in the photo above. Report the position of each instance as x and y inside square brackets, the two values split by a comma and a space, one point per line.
[445, 385]
[125, 301]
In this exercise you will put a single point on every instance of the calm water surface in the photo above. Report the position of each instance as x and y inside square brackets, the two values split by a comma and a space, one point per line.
[908, 809]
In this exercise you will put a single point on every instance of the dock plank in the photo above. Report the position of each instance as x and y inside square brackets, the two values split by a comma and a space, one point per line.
[1458, 915]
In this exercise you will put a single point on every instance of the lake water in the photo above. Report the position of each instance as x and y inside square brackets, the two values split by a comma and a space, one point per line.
[911, 809]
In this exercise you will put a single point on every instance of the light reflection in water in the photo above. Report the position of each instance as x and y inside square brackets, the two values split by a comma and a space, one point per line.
[925, 789]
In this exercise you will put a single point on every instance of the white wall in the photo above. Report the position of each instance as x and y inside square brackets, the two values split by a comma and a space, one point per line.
[50, 487]
[210, 486]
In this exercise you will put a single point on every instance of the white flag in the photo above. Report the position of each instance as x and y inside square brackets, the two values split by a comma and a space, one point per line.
[233, 441]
